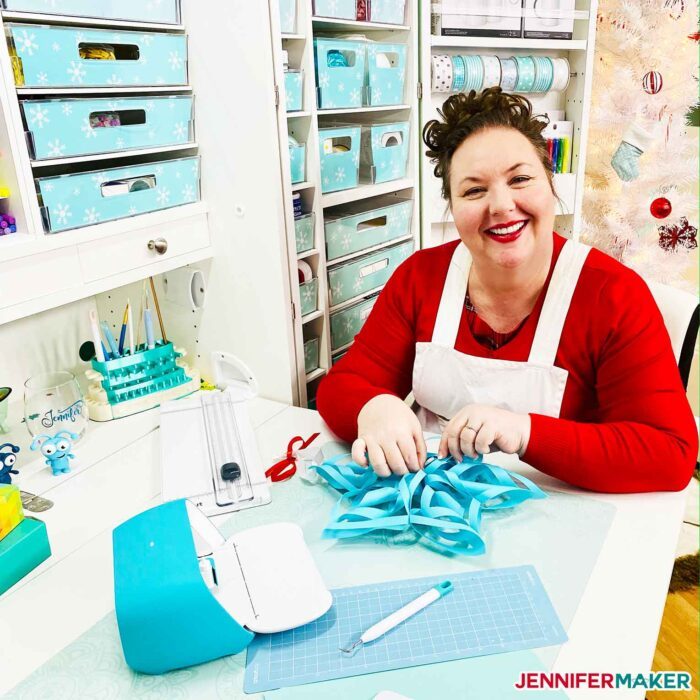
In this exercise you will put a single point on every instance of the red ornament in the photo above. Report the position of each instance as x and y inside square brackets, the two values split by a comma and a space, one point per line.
[652, 82]
[681, 234]
[660, 208]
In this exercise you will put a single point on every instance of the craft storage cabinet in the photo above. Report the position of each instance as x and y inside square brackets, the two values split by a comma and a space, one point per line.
[360, 82]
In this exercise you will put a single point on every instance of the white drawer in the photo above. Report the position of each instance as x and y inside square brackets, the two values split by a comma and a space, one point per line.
[128, 251]
[38, 275]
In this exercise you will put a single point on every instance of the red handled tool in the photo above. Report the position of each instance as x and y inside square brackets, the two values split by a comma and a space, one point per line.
[287, 467]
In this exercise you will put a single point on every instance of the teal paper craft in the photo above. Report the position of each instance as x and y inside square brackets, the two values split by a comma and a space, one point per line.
[442, 503]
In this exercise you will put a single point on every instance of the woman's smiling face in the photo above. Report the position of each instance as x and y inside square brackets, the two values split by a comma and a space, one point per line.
[501, 198]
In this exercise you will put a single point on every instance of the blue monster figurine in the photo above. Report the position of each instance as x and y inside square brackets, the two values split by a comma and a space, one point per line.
[7, 461]
[56, 449]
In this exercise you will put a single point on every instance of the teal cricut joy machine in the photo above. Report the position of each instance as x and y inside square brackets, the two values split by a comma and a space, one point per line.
[184, 595]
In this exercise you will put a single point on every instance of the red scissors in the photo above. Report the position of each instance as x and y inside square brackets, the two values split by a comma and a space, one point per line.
[287, 467]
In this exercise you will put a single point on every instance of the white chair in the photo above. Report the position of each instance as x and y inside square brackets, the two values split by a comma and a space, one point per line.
[681, 314]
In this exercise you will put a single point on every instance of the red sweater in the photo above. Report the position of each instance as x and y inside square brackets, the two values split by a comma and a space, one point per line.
[625, 423]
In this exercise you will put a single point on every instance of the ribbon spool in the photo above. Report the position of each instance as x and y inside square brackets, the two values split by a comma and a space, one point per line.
[509, 74]
[544, 73]
[441, 73]
[492, 71]
[475, 73]
[526, 73]
[562, 74]
[459, 74]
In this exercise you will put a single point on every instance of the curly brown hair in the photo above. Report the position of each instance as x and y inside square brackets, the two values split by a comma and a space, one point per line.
[465, 114]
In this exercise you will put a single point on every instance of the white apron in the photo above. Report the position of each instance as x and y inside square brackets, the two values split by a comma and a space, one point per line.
[445, 380]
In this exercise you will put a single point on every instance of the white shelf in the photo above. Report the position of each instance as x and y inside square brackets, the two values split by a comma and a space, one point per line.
[312, 316]
[307, 254]
[16, 16]
[342, 348]
[365, 191]
[302, 113]
[108, 89]
[485, 42]
[111, 156]
[362, 110]
[318, 372]
[293, 37]
[331, 24]
[372, 249]
[302, 185]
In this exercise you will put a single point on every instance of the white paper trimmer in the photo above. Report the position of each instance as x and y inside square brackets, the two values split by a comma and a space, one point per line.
[208, 450]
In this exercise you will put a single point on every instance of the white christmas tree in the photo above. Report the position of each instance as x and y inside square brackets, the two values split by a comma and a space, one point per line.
[645, 82]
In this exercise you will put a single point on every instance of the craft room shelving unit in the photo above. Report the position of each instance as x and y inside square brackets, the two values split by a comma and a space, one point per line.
[436, 222]
[304, 126]
[42, 271]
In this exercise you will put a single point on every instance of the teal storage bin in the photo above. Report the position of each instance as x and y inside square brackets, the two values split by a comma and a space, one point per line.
[310, 355]
[50, 56]
[308, 294]
[340, 9]
[387, 11]
[304, 232]
[339, 153]
[353, 228]
[365, 274]
[293, 90]
[21, 551]
[340, 72]
[78, 127]
[297, 162]
[384, 152]
[386, 74]
[288, 16]
[160, 12]
[337, 357]
[346, 324]
[85, 198]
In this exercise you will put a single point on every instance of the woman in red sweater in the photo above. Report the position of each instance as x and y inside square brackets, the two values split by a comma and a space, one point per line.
[513, 338]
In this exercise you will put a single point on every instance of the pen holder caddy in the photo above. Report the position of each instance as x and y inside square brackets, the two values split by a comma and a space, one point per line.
[134, 383]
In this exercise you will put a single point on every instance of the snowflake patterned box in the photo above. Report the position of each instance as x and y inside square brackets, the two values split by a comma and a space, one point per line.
[162, 12]
[365, 274]
[339, 151]
[339, 9]
[384, 152]
[293, 89]
[297, 162]
[304, 232]
[288, 16]
[340, 72]
[84, 198]
[308, 294]
[386, 74]
[310, 355]
[387, 11]
[346, 324]
[78, 127]
[352, 229]
[57, 56]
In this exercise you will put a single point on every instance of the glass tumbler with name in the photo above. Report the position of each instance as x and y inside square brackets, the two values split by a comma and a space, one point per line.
[53, 401]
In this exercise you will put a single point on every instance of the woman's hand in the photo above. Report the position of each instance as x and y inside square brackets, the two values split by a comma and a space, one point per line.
[391, 434]
[478, 429]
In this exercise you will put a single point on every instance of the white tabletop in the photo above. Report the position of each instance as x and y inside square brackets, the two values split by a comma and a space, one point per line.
[614, 630]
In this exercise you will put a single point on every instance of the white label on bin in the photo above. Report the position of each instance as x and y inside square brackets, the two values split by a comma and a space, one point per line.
[374, 267]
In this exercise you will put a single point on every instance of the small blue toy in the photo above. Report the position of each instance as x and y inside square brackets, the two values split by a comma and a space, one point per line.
[7, 461]
[56, 449]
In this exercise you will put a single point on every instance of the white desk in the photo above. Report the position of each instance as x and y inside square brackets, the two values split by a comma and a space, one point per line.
[614, 630]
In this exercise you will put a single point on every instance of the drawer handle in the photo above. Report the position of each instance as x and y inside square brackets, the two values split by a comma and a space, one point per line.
[160, 245]
[372, 224]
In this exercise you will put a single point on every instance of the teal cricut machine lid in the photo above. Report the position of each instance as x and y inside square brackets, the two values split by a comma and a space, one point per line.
[184, 595]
